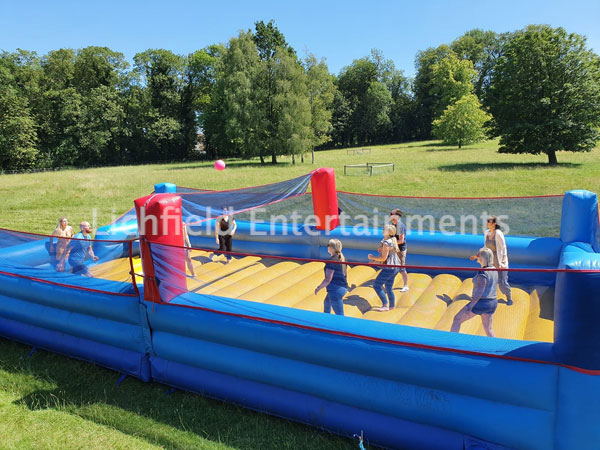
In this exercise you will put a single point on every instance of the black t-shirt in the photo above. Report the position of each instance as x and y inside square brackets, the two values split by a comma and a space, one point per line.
[339, 279]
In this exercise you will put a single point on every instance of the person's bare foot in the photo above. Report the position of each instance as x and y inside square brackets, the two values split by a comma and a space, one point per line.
[382, 308]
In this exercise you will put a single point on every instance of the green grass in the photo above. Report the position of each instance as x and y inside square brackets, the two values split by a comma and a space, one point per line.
[34, 202]
[51, 401]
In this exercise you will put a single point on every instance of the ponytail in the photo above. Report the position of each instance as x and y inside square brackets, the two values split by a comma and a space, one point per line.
[391, 230]
[336, 245]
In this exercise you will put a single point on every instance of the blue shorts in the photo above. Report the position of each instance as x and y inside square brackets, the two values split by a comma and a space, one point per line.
[485, 306]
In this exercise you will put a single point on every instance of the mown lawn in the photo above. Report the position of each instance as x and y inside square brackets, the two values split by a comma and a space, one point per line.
[34, 202]
[50, 401]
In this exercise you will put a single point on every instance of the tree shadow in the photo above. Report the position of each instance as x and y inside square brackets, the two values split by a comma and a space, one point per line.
[477, 167]
[238, 164]
[151, 412]
[428, 144]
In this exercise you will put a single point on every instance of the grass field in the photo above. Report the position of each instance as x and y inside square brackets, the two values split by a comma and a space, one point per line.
[50, 401]
[34, 202]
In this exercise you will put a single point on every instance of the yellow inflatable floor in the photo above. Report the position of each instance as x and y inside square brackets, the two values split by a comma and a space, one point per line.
[431, 302]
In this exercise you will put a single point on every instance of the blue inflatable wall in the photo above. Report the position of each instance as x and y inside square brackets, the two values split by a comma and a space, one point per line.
[404, 387]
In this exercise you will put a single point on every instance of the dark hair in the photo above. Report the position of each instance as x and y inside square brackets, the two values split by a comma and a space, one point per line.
[396, 212]
[494, 220]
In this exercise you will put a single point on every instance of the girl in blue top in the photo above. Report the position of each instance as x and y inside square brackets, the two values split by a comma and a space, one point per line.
[483, 300]
[335, 279]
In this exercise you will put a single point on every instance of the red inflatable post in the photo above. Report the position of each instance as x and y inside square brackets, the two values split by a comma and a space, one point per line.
[159, 221]
[324, 198]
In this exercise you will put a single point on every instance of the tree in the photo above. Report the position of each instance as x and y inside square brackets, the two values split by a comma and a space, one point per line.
[367, 100]
[462, 123]
[161, 74]
[426, 100]
[452, 78]
[269, 42]
[546, 90]
[234, 120]
[321, 91]
[294, 135]
[17, 127]
[59, 109]
[482, 48]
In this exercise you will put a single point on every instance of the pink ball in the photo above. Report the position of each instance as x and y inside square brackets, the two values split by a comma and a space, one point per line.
[219, 164]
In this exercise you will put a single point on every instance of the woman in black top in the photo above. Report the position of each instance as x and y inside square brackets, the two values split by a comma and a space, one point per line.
[335, 279]
[224, 231]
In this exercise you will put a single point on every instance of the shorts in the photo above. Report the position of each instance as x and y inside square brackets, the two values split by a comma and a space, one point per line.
[79, 269]
[402, 257]
[485, 306]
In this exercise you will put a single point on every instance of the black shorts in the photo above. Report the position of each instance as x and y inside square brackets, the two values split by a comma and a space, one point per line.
[485, 306]
[79, 269]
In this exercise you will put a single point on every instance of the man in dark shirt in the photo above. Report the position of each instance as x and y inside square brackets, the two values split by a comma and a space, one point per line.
[395, 216]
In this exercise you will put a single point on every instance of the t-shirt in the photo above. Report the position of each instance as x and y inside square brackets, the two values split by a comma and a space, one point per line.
[485, 284]
[339, 279]
[400, 229]
[79, 249]
[392, 257]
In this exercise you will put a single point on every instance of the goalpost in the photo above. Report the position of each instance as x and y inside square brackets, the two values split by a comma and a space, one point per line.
[369, 169]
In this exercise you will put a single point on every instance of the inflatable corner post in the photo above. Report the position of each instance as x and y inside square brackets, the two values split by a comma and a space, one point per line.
[577, 304]
[159, 222]
[324, 198]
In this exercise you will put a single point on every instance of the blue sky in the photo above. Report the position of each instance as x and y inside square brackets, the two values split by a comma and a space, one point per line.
[340, 31]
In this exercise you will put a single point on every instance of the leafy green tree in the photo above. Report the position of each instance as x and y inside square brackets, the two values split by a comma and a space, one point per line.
[99, 76]
[364, 95]
[462, 123]
[161, 73]
[375, 113]
[321, 91]
[59, 109]
[234, 122]
[341, 112]
[294, 134]
[452, 78]
[427, 99]
[482, 48]
[546, 90]
[17, 127]
[270, 42]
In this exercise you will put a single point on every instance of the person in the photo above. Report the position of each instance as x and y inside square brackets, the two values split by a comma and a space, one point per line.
[62, 232]
[386, 276]
[335, 281]
[224, 232]
[494, 240]
[483, 300]
[77, 251]
[395, 218]
[188, 251]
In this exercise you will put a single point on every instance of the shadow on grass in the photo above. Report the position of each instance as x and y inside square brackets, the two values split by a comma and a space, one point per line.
[150, 411]
[428, 144]
[238, 164]
[475, 167]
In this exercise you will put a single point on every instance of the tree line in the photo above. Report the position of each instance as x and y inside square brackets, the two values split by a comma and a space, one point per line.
[537, 88]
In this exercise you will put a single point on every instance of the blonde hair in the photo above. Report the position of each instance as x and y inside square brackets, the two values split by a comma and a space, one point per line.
[60, 221]
[486, 255]
[336, 246]
[391, 231]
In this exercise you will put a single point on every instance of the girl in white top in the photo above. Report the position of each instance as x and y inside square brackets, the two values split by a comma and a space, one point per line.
[494, 240]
